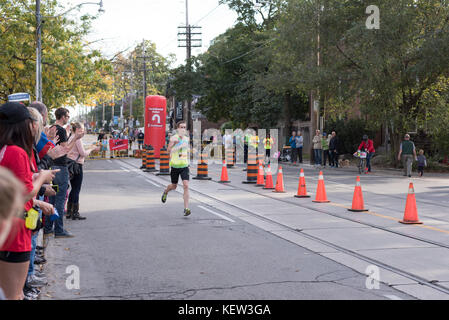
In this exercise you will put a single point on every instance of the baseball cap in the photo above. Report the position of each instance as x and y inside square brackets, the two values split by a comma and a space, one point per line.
[14, 112]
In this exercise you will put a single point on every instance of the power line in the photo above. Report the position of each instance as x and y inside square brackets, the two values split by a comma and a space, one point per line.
[247, 53]
[201, 19]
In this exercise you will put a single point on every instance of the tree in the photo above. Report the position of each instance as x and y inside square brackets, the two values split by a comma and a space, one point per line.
[71, 72]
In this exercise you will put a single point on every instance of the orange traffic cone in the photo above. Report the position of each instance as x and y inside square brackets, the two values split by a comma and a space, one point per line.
[269, 180]
[411, 212]
[321, 190]
[279, 182]
[224, 173]
[260, 176]
[302, 191]
[357, 200]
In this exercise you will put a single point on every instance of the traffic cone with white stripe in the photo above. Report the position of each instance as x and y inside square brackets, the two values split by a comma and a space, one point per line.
[411, 212]
[224, 174]
[260, 176]
[321, 190]
[279, 182]
[302, 191]
[357, 200]
[269, 181]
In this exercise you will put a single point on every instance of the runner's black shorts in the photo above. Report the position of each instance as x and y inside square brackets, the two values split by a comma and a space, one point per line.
[176, 172]
[15, 257]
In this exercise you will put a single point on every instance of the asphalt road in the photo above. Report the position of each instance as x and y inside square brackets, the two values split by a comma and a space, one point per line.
[134, 247]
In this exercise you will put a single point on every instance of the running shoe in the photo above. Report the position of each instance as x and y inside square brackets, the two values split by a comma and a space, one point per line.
[164, 197]
[187, 212]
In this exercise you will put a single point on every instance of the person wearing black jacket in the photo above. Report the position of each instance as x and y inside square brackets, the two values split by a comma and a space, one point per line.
[333, 150]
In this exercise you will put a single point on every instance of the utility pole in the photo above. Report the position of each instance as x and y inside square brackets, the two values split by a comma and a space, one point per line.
[144, 57]
[38, 51]
[185, 40]
[131, 84]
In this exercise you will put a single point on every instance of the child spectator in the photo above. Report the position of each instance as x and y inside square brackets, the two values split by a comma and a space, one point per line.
[422, 162]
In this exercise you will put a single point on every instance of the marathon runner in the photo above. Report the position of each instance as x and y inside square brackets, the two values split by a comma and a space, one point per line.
[178, 148]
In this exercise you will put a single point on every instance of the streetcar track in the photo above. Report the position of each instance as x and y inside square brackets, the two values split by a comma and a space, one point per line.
[429, 283]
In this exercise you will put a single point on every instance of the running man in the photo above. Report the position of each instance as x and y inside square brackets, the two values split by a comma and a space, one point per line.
[178, 148]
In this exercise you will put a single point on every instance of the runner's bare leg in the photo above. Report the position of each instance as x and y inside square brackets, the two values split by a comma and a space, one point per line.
[185, 184]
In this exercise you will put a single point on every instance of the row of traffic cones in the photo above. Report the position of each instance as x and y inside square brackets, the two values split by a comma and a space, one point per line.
[410, 214]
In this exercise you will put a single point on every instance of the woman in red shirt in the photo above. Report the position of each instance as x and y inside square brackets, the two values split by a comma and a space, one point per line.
[17, 130]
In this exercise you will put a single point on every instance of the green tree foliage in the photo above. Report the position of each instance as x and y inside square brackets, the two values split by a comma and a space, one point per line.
[71, 71]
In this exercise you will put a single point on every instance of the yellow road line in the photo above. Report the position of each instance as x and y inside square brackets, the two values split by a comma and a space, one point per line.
[391, 218]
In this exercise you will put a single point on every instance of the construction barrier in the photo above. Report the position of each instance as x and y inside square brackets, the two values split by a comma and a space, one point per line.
[164, 163]
[251, 171]
[144, 157]
[151, 161]
[202, 171]
[230, 158]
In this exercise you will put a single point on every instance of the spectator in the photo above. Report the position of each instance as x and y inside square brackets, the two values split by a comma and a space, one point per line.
[77, 154]
[11, 201]
[140, 138]
[299, 145]
[61, 179]
[32, 281]
[18, 131]
[333, 149]
[101, 136]
[317, 148]
[422, 162]
[268, 144]
[292, 143]
[325, 146]
[407, 151]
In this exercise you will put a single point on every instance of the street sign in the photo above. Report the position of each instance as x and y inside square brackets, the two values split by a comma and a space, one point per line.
[21, 96]
[115, 120]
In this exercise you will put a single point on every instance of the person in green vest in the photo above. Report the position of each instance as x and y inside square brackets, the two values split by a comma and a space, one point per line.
[407, 152]
[178, 148]
[268, 144]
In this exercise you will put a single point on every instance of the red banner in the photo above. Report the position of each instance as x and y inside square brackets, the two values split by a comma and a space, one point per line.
[119, 144]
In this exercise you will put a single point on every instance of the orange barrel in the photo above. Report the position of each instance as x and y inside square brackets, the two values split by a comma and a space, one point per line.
[202, 172]
[144, 157]
[230, 158]
[151, 162]
[252, 169]
[260, 159]
[164, 164]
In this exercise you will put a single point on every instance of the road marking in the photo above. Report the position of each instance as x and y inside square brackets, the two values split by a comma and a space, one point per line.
[217, 214]
[153, 183]
[392, 218]
[392, 297]
[124, 169]
[110, 161]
